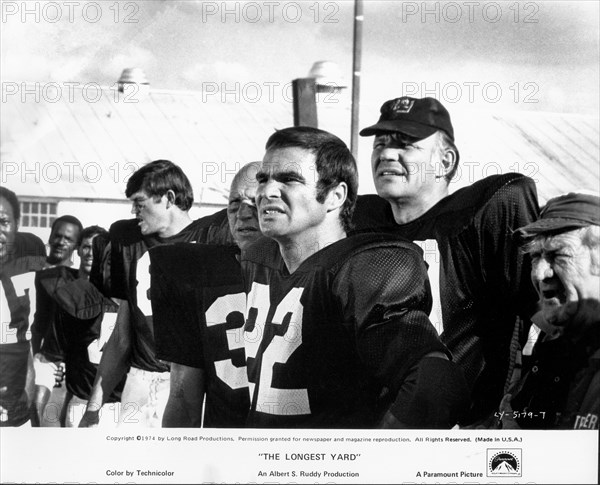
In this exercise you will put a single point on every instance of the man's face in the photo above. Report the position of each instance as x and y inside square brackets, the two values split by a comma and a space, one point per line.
[404, 168]
[8, 230]
[241, 210]
[86, 255]
[562, 275]
[151, 212]
[287, 194]
[62, 242]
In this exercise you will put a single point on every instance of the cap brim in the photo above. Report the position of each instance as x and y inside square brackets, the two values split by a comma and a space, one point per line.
[548, 226]
[410, 128]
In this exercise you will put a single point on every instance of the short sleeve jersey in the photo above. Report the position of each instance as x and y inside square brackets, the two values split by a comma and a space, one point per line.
[198, 304]
[329, 345]
[18, 302]
[484, 279]
[77, 310]
[130, 276]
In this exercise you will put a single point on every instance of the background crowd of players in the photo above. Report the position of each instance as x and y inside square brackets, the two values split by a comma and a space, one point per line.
[304, 305]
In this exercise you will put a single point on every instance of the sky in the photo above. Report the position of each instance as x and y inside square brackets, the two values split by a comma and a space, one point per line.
[505, 55]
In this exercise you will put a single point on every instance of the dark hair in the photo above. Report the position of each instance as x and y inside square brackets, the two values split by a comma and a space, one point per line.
[91, 231]
[68, 220]
[12, 199]
[157, 178]
[334, 162]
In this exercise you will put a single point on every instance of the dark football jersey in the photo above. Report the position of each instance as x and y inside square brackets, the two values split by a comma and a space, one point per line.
[17, 299]
[330, 345]
[100, 272]
[73, 321]
[562, 388]
[130, 276]
[483, 275]
[198, 303]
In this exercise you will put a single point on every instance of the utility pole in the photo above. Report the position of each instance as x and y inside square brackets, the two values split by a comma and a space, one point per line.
[356, 66]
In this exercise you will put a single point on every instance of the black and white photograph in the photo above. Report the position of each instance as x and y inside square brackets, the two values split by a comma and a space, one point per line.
[299, 241]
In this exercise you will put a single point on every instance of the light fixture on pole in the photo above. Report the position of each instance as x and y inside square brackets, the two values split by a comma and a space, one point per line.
[328, 78]
[133, 82]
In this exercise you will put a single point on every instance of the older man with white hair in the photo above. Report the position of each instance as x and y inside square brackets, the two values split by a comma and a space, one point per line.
[562, 386]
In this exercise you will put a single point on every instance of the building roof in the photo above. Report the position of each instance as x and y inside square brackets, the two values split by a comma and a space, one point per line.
[86, 143]
[75, 148]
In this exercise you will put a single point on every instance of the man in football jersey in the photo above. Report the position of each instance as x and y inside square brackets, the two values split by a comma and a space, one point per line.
[162, 196]
[336, 333]
[80, 319]
[482, 288]
[207, 358]
[62, 242]
[21, 255]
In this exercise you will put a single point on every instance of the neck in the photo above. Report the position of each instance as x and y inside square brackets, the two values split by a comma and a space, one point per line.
[53, 262]
[178, 223]
[407, 209]
[296, 250]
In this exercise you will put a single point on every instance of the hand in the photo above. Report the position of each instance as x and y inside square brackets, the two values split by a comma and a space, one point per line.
[47, 373]
[59, 374]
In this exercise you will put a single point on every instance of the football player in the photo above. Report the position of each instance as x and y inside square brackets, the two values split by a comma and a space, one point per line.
[336, 333]
[483, 284]
[21, 255]
[81, 319]
[162, 196]
[198, 301]
[64, 236]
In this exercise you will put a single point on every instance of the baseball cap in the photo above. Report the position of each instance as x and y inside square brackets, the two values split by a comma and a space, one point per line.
[564, 213]
[416, 117]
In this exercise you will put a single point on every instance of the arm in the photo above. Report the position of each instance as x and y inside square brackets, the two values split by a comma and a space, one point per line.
[504, 266]
[434, 395]
[186, 395]
[396, 340]
[113, 366]
[44, 315]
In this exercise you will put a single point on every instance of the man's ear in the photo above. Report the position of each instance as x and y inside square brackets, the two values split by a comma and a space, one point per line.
[337, 196]
[448, 162]
[170, 198]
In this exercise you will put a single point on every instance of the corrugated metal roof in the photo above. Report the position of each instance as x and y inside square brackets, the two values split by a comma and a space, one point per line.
[561, 152]
[75, 148]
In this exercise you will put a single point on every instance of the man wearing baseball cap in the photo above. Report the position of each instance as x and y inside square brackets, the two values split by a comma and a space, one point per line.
[479, 276]
[562, 387]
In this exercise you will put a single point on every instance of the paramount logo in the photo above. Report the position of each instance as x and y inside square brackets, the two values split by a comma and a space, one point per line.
[504, 462]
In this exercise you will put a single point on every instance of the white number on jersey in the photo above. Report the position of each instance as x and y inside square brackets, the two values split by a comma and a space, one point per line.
[234, 377]
[24, 284]
[142, 275]
[95, 348]
[272, 400]
[431, 254]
